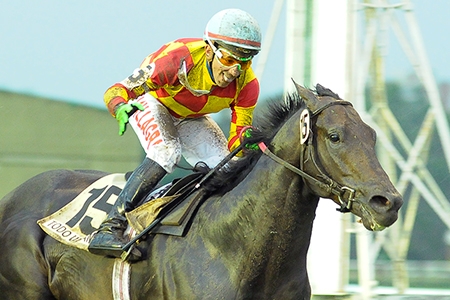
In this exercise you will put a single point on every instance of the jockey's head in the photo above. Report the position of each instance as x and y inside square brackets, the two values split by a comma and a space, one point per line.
[236, 31]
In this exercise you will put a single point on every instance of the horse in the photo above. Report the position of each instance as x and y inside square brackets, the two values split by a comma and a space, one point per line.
[249, 237]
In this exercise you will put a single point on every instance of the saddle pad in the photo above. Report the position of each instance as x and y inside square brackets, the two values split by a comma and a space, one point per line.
[73, 224]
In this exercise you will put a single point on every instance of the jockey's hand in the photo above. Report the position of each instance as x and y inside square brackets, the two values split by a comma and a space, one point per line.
[123, 113]
[252, 146]
[247, 137]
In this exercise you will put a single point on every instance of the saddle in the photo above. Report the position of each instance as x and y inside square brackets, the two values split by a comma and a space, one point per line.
[172, 205]
[165, 211]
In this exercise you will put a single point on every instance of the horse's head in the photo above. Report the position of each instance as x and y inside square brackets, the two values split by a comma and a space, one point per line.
[339, 150]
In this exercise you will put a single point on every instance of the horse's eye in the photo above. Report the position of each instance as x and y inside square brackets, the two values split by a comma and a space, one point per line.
[334, 137]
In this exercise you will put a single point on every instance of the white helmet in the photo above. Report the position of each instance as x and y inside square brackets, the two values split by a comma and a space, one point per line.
[235, 30]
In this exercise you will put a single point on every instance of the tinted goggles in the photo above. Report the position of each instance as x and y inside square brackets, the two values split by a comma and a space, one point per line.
[229, 60]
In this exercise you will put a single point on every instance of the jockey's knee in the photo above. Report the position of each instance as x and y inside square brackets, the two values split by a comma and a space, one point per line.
[167, 157]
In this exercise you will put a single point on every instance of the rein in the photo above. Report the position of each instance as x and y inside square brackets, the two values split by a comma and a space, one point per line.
[345, 194]
[327, 184]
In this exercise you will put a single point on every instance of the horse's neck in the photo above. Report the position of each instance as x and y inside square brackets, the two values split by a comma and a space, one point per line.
[275, 206]
[264, 224]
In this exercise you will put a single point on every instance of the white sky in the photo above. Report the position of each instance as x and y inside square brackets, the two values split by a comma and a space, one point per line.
[74, 50]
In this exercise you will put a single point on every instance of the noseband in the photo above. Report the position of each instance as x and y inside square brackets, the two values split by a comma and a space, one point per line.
[345, 194]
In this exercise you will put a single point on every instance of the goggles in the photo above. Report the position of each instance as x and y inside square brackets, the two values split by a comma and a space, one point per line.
[229, 60]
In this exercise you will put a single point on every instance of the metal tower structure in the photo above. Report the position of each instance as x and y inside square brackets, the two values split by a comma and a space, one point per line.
[315, 52]
[404, 159]
[369, 24]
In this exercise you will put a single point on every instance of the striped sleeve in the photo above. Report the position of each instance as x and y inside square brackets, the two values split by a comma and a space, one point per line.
[157, 70]
[242, 112]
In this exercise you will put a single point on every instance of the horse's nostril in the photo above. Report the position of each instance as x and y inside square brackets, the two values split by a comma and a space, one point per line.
[379, 202]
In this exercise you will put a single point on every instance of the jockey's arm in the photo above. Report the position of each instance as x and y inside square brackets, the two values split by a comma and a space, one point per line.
[117, 96]
[243, 119]
[242, 113]
[132, 87]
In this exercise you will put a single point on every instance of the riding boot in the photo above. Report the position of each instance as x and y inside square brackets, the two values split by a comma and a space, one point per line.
[109, 239]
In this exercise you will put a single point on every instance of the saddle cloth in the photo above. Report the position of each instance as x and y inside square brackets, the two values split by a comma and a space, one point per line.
[74, 223]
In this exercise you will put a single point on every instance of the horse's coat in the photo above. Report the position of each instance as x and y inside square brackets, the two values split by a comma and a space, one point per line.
[249, 239]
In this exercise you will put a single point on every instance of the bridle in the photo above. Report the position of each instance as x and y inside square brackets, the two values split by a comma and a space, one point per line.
[345, 194]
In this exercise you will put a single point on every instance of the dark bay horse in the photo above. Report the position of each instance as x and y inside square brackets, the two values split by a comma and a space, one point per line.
[249, 238]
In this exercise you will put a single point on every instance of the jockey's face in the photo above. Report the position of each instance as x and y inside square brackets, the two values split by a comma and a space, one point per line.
[223, 75]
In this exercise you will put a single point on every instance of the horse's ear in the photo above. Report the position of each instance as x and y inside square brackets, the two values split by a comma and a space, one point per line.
[305, 93]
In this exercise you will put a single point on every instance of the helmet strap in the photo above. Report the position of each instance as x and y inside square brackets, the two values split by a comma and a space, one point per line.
[209, 63]
[209, 67]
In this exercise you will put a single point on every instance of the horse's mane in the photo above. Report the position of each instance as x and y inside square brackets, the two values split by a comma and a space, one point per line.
[267, 124]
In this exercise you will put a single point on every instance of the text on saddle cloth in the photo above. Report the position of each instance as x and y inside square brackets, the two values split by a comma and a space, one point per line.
[74, 223]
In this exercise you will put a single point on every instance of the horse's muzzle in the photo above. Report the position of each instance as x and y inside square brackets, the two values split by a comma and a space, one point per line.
[384, 209]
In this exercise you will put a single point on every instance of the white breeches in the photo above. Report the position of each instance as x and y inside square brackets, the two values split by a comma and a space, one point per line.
[165, 138]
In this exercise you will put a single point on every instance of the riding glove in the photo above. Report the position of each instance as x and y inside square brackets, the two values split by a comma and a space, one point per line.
[247, 136]
[123, 112]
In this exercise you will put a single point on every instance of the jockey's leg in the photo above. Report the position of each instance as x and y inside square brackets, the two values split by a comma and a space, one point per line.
[202, 140]
[109, 239]
[155, 128]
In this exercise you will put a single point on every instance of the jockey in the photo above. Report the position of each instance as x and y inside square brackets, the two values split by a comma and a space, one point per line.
[167, 101]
